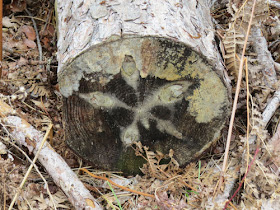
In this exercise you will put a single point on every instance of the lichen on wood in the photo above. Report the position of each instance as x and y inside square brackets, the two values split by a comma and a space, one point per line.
[147, 89]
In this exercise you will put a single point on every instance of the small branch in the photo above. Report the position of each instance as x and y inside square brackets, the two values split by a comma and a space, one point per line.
[30, 167]
[54, 164]
[275, 142]
[274, 3]
[264, 57]
[35, 166]
[37, 36]
[271, 107]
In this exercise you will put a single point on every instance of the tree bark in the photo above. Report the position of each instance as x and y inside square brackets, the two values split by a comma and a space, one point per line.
[139, 70]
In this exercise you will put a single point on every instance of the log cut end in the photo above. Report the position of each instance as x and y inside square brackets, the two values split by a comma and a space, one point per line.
[147, 89]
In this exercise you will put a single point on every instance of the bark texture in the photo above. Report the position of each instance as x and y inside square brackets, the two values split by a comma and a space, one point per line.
[139, 71]
[86, 23]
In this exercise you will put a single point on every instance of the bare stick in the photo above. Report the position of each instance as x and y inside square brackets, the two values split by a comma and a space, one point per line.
[274, 3]
[35, 166]
[37, 36]
[30, 168]
[271, 107]
[236, 99]
[56, 167]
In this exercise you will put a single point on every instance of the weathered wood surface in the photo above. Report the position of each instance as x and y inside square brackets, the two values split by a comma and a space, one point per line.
[139, 71]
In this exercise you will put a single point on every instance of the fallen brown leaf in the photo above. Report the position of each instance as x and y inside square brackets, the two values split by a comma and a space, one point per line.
[29, 43]
[18, 5]
[29, 32]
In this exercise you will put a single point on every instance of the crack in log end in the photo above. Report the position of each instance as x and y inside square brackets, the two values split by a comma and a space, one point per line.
[146, 89]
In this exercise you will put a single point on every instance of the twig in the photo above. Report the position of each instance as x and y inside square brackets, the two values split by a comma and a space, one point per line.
[30, 167]
[4, 187]
[274, 3]
[37, 37]
[248, 113]
[274, 142]
[48, 20]
[240, 184]
[54, 164]
[35, 166]
[113, 183]
[35, 18]
[271, 107]
[235, 99]
[233, 206]
[12, 51]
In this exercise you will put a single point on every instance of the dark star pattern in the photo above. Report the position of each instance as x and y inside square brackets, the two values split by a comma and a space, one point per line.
[131, 104]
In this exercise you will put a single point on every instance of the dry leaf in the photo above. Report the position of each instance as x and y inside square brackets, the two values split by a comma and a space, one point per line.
[3, 148]
[90, 203]
[169, 203]
[46, 41]
[22, 61]
[37, 90]
[232, 39]
[29, 43]
[40, 104]
[49, 31]
[18, 5]
[29, 32]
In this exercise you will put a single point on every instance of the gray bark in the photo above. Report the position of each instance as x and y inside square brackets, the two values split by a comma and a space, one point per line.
[86, 23]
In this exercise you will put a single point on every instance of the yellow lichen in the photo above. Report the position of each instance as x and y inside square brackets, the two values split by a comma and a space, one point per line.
[207, 101]
[170, 73]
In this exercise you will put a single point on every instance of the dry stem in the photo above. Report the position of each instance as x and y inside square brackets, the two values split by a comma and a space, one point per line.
[235, 100]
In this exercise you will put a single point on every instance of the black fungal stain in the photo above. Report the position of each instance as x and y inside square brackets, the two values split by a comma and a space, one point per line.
[151, 135]
[122, 91]
[118, 117]
[148, 85]
[161, 112]
[167, 56]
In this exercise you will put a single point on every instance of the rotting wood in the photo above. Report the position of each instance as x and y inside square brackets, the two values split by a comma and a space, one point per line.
[139, 71]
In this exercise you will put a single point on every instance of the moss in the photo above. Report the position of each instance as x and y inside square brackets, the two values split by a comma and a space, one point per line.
[129, 163]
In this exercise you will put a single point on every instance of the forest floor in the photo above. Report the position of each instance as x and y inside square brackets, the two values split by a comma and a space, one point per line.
[251, 180]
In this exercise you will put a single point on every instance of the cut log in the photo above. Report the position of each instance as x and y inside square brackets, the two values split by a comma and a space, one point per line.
[139, 71]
